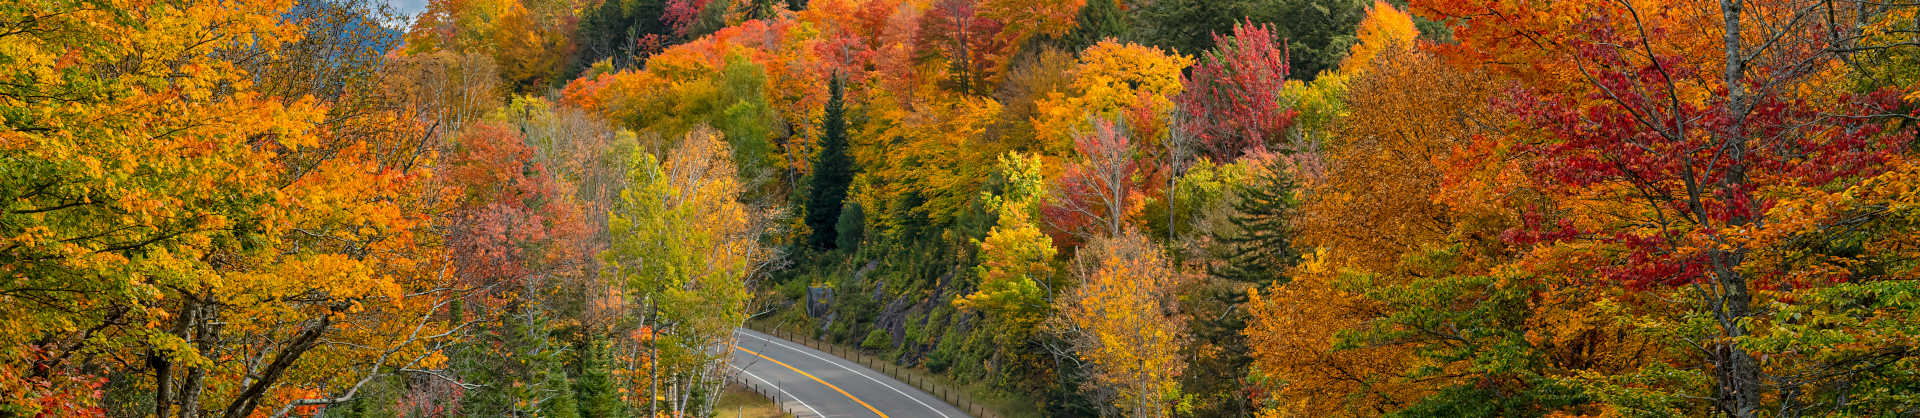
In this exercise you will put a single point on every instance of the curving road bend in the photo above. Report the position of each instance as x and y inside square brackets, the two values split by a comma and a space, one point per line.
[812, 383]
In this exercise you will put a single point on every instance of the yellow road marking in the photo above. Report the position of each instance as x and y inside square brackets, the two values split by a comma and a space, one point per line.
[816, 379]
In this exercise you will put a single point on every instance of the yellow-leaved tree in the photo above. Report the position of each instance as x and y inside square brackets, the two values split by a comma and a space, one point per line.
[1112, 81]
[188, 231]
[1125, 325]
[1017, 277]
[684, 249]
[1369, 209]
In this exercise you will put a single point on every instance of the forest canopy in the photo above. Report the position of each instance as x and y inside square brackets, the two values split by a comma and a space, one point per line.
[1089, 207]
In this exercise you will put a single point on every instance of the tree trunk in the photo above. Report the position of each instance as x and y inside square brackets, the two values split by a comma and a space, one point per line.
[204, 336]
[1737, 372]
[306, 339]
[653, 363]
[163, 398]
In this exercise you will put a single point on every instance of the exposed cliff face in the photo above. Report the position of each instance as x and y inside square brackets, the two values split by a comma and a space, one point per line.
[905, 312]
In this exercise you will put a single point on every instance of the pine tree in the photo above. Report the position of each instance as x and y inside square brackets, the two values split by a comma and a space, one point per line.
[832, 172]
[1254, 252]
[520, 361]
[594, 382]
[852, 226]
[619, 31]
[555, 393]
[1257, 249]
[1098, 20]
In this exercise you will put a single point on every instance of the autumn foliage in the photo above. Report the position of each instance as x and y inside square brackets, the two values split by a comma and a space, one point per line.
[1232, 97]
[562, 208]
[1123, 322]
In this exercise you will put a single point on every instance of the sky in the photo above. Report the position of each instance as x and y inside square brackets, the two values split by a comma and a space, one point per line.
[408, 7]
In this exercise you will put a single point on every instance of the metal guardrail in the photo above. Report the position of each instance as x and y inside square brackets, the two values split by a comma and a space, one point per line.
[952, 396]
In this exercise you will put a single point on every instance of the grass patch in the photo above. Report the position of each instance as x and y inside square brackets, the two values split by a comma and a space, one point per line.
[738, 402]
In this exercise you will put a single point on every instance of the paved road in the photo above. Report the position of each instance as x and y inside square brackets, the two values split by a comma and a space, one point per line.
[813, 383]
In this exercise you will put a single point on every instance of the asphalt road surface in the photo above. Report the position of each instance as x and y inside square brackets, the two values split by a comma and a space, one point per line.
[812, 383]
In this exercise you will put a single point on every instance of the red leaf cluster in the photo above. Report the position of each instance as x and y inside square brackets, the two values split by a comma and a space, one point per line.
[1233, 94]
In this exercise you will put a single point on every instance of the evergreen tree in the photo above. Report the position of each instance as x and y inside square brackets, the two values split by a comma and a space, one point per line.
[616, 30]
[1317, 32]
[521, 364]
[852, 226]
[1257, 248]
[556, 396]
[1098, 20]
[594, 383]
[758, 9]
[1254, 252]
[832, 172]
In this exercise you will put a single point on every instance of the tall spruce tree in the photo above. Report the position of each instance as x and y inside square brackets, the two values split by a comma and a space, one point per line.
[619, 31]
[520, 362]
[593, 384]
[1255, 252]
[851, 227]
[1257, 248]
[832, 172]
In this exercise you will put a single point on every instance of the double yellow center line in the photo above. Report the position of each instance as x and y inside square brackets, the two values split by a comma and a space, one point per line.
[816, 379]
